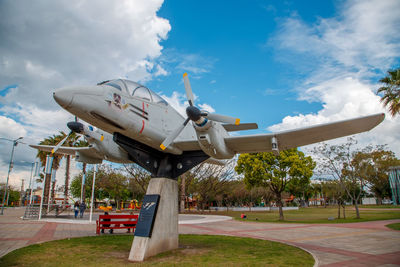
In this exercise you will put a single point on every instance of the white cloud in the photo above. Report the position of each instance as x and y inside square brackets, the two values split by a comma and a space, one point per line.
[344, 55]
[11, 129]
[206, 107]
[47, 45]
[50, 44]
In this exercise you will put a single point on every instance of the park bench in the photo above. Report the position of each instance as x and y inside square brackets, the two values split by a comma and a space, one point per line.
[116, 221]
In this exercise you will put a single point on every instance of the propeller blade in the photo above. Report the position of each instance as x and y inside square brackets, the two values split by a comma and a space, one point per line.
[173, 135]
[60, 144]
[222, 118]
[188, 88]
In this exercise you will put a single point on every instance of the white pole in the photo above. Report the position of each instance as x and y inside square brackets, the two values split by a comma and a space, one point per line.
[30, 183]
[83, 182]
[44, 184]
[92, 202]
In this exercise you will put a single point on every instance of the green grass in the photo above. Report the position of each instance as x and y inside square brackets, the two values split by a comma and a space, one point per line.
[315, 215]
[195, 250]
[379, 206]
[394, 226]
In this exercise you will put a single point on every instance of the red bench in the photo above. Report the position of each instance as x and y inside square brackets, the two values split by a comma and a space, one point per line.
[116, 221]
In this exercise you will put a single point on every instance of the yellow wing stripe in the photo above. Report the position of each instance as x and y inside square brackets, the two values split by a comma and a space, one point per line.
[237, 121]
[162, 147]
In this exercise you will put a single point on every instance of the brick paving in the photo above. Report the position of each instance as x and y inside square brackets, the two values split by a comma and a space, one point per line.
[353, 244]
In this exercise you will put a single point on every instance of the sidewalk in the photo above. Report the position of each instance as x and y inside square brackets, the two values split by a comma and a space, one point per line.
[353, 244]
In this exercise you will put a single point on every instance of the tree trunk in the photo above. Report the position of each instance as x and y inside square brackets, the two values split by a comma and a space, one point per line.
[46, 189]
[344, 211]
[357, 210]
[53, 192]
[66, 186]
[83, 193]
[280, 204]
[338, 213]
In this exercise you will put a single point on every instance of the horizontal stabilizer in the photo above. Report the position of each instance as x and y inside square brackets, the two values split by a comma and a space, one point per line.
[240, 127]
[86, 154]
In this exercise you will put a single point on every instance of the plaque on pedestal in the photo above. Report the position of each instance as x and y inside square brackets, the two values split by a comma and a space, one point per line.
[148, 211]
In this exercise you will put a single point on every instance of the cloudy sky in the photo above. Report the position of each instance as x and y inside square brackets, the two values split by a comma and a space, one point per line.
[282, 64]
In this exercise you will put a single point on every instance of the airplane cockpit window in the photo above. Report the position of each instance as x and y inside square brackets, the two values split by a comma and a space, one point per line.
[131, 86]
[118, 84]
[139, 90]
[142, 92]
[158, 99]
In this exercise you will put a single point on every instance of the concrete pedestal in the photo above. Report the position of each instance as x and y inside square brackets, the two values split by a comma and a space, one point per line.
[165, 230]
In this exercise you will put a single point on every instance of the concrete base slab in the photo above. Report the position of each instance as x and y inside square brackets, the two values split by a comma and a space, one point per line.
[165, 230]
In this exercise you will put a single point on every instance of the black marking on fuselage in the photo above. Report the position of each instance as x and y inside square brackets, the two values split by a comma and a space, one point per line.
[139, 109]
[140, 115]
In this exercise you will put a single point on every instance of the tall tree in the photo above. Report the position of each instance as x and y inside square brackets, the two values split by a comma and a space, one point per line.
[337, 161]
[275, 171]
[51, 141]
[391, 91]
[373, 164]
[210, 181]
[110, 183]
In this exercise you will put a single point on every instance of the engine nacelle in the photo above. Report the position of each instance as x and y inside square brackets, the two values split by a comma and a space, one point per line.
[211, 138]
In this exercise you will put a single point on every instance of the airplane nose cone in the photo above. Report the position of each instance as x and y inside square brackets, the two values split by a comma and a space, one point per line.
[63, 97]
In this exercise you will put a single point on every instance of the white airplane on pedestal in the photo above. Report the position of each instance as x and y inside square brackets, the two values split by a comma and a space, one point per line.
[137, 125]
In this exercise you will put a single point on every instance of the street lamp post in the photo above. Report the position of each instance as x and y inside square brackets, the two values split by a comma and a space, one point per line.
[10, 166]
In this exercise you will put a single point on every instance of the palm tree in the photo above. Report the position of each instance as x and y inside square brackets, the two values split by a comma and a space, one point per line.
[71, 141]
[391, 91]
[51, 141]
[82, 143]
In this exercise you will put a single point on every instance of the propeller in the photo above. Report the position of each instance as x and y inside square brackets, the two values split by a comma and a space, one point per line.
[74, 126]
[194, 114]
[60, 143]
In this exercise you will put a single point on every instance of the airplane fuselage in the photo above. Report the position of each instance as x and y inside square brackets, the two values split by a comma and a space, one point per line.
[140, 114]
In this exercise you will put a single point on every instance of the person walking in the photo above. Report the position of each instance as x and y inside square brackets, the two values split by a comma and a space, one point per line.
[82, 208]
[76, 209]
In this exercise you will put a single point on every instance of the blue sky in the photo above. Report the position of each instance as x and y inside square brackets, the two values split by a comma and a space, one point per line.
[282, 64]
[242, 74]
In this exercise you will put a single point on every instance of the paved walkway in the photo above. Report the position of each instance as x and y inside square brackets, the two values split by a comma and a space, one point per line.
[354, 244]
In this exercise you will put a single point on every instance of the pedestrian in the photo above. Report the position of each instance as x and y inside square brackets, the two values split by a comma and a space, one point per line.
[76, 208]
[106, 225]
[82, 208]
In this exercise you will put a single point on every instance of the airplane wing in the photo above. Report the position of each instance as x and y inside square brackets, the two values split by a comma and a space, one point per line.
[303, 136]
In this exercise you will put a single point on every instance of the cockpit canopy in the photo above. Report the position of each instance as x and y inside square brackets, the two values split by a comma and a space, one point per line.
[135, 89]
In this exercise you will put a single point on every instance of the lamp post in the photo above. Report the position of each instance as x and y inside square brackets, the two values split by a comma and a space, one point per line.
[10, 166]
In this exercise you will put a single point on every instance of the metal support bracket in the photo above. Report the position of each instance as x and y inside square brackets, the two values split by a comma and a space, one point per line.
[274, 145]
[158, 163]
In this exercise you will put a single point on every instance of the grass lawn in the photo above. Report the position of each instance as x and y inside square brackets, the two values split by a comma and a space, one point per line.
[195, 250]
[379, 206]
[314, 215]
[394, 226]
